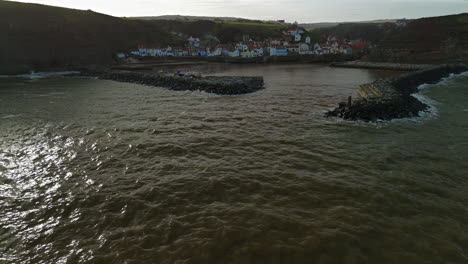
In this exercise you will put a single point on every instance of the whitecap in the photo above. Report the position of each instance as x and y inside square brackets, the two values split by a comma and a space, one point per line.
[432, 112]
[40, 75]
[8, 116]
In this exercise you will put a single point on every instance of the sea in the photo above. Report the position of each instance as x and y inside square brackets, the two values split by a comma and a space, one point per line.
[96, 171]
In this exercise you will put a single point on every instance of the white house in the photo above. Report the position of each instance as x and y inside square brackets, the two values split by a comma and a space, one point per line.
[318, 49]
[218, 51]
[294, 31]
[346, 49]
[290, 32]
[195, 42]
[335, 48]
[247, 54]
[181, 52]
[297, 37]
[307, 40]
[235, 53]
[167, 52]
[142, 51]
[260, 52]
[304, 49]
[272, 51]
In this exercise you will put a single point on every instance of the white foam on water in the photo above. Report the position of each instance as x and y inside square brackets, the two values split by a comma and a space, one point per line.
[433, 112]
[8, 116]
[40, 75]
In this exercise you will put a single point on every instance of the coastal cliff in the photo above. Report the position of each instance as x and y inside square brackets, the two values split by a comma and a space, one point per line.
[41, 38]
[392, 98]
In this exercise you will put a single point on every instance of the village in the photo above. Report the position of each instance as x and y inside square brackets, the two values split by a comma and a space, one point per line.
[293, 42]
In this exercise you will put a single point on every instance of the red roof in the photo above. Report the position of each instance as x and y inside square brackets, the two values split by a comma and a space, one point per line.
[359, 45]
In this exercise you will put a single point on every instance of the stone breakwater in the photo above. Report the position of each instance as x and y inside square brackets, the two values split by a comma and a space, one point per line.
[391, 98]
[223, 85]
[381, 65]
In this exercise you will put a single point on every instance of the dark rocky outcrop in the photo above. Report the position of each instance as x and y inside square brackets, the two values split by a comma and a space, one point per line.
[391, 98]
[224, 85]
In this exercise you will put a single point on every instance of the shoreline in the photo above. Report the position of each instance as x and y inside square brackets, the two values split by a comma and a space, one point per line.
[381, 65]
[391, 98]
[148, 64]
[339, 61]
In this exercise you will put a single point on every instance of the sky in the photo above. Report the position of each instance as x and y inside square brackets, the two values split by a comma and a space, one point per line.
[303, 11]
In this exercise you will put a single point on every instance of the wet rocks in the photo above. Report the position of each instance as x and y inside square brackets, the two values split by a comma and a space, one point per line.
[391, 98]
[229, 85]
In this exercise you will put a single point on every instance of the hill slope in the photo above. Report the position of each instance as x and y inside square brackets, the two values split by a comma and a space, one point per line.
[433, 39]
[367, 31]
[191, 18]
[37, 36]
[225, 32]
[427, 40]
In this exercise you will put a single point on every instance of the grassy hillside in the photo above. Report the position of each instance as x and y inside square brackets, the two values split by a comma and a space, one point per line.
[428, 34]
[225, 32]
[38, 36]
[426, 40]
[434, 39]
[367, 31]
[192, 18]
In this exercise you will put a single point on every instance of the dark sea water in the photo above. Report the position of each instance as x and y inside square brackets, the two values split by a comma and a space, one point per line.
[95, 171]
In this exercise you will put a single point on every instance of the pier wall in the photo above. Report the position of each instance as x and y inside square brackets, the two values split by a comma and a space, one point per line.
[229, 85]
[391, 98]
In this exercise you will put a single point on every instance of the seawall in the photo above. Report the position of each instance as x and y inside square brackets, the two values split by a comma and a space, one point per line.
[381, 65]
[391, 98]
[229, 85]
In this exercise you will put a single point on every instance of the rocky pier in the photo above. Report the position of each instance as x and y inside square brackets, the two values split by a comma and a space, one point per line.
[223, 85]
[392, 98]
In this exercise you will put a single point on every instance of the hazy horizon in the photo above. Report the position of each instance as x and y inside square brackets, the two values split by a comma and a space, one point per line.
[311, 11]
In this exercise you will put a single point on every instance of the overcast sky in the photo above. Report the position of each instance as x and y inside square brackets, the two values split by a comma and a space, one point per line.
[291, 10]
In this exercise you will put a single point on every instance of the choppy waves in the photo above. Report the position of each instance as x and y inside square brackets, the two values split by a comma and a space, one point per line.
[105, 172]
[432, 112]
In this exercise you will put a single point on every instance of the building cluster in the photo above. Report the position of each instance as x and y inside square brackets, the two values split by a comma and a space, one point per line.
[293, 42]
